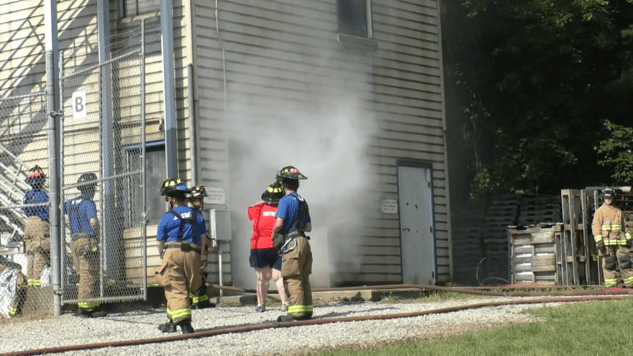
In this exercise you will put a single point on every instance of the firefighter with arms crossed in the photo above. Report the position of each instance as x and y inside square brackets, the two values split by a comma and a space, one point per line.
[179, 242]
[36, 229]
[201, 300]
[614, 244]
[84, 229]
[293, 221]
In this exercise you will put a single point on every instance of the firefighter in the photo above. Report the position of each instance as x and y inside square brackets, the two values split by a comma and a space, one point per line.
[84, 229]
[179, 242]
[36, 229]
[264, 258]
[612, 241]
[293, 221]
[201, 301]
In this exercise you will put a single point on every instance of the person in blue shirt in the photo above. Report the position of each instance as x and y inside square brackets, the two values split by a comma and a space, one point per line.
[200, 301]
[293, 221]
[179, 240]
[36, 229]
[84, 231]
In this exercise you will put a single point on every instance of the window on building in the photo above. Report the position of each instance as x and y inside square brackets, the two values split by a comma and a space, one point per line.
[155, 169]
[137, 7]
[354, 18]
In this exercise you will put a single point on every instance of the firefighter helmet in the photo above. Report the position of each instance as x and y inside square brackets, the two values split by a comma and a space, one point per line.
[171, 187]
[608, 192]
[273, 193]
[36, 176]
[197, 192]
[290, 172]
[85, 178]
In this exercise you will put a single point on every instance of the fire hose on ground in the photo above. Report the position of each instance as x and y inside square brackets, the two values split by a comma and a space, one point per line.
[568, 297]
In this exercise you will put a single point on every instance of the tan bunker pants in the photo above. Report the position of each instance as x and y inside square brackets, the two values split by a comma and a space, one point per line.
[38, 248]
[86, 261]
[178, 274]
[296, 267]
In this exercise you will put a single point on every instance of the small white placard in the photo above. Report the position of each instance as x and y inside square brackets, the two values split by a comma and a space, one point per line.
[80, 105]
[389, 206]
[216, 196]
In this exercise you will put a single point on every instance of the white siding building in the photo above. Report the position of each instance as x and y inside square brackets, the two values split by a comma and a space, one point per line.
[351, 92]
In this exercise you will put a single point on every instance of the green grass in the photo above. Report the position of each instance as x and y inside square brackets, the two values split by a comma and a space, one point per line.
[595, 328]
[433, 296]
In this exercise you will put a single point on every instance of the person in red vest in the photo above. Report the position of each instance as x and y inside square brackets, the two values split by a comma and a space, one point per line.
[264, 258]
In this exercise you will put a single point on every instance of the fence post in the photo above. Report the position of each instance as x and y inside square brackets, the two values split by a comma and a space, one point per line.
[143, 178]
[51, 47]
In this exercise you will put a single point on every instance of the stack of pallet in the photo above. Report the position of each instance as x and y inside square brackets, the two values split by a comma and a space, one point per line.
[502, 212]
[577, 261]
[533, 254]
[468, 250]
[536, 210]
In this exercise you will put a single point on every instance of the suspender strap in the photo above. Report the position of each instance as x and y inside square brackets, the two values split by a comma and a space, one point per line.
[74, 211]
[193, 221]
[303, 210]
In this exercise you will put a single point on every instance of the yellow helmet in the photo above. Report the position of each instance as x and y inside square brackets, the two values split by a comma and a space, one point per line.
[273, 193]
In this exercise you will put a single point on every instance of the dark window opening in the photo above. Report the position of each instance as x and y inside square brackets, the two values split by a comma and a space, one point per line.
[352, 18]
[155, 169]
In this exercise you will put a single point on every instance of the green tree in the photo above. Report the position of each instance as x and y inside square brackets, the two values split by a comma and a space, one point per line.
[542, 76]
[618, 152]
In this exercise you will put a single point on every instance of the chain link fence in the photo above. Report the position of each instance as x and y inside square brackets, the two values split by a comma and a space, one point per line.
[102, 193]
[25, 269]
[101, 135]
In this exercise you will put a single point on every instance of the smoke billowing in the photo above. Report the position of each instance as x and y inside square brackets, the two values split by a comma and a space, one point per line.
[329, 144]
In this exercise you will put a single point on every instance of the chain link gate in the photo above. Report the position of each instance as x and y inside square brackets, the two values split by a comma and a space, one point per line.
[25, 271]
[102, 176]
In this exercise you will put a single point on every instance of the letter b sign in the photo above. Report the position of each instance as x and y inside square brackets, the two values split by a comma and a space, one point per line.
[80, 106]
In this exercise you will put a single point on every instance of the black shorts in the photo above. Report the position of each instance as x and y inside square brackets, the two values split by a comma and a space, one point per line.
[265, 258]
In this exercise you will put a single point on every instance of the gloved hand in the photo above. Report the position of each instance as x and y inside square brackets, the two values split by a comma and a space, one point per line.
[601, 245]
[631, 243]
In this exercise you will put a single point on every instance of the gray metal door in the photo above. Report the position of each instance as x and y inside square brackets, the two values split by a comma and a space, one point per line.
[417, 236]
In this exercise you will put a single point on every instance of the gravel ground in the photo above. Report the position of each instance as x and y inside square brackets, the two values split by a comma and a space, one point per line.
[303, 340]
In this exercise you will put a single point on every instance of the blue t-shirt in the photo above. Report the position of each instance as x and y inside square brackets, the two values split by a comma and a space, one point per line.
[80, 210]
[36, 196]
[169, 225]
[288, 209]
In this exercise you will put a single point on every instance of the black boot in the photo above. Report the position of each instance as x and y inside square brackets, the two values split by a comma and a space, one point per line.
[98, 314]
[168, 327]
[84, 313]
[185, 326]
[285, 319]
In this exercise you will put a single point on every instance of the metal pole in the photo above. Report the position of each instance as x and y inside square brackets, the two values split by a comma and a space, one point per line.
[171, 145]
[61, 231]
[220, 267]
[50, 14]
[110, 231]
[226, 105]
[192, 128]
[143, 167]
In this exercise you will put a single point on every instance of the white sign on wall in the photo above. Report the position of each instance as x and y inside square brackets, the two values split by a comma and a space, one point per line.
[80, 107]
[389, 206]
[216, 196]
